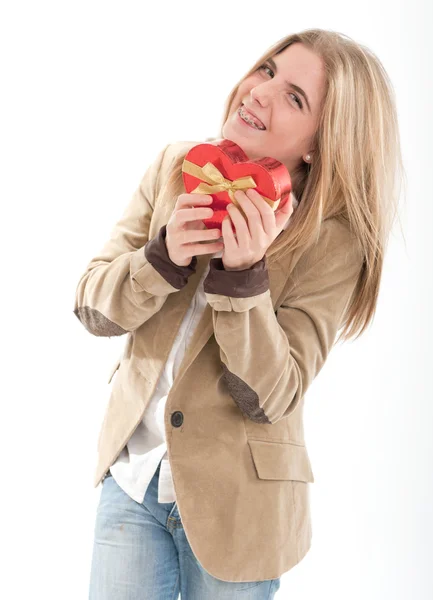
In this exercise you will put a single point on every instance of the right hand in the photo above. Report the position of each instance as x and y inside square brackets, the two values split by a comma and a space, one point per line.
[186, 227]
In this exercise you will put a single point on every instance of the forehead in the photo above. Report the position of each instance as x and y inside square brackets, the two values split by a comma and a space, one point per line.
[297, 58]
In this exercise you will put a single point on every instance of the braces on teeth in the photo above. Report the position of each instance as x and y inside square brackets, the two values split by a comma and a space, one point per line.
[245, 117]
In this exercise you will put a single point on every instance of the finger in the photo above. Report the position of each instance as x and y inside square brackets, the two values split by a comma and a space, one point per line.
[196, 249]
[230, 243]
[192, 199]
[283, 214]
[259, 202]
[193, 235]
[240, 222]
[185, 215]
[265, 222]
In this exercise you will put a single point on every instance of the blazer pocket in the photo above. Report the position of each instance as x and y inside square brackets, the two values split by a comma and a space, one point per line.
[281, 460]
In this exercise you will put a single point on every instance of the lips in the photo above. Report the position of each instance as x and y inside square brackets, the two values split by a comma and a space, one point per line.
[252, 115]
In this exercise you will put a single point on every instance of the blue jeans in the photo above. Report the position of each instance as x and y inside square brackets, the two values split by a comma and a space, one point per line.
[141, 552]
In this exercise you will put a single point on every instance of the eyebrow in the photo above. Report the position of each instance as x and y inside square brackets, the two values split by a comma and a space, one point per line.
[293, 85]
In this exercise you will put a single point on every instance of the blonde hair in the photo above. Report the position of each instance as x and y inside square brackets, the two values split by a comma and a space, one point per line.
[357, 171]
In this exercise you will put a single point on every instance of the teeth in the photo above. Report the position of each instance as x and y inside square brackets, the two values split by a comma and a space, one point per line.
[248, 119]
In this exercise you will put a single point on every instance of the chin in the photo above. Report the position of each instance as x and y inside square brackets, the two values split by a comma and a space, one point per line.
[229, 133]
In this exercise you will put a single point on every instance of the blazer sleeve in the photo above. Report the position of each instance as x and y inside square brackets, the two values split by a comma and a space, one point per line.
[129, 280]
[269, 358]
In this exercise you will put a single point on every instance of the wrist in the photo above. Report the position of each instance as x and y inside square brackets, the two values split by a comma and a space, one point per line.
[157, 255]
[237, 282]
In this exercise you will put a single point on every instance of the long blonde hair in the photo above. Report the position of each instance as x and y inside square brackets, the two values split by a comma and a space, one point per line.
[358, 169]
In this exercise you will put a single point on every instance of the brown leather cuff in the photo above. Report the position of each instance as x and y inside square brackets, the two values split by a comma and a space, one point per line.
[237, 284]
[156, 253]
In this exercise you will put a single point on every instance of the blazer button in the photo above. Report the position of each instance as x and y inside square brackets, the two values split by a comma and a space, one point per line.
[177, 418]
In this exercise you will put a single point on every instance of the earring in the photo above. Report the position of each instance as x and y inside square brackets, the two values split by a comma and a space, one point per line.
[308, 158]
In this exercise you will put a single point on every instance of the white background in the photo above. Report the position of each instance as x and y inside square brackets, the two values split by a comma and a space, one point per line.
[91, 91]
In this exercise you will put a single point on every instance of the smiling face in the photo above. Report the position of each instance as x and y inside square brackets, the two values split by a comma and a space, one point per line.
[272, 93]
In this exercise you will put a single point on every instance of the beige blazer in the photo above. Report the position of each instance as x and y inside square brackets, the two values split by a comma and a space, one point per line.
[234, 416]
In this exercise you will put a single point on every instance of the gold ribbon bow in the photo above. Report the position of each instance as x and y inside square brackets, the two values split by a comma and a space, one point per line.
[214, 182]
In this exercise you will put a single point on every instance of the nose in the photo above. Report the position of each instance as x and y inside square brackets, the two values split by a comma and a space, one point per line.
[264, 94]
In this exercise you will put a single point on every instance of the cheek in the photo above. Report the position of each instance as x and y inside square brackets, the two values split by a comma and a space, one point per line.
[246, 86]
[287, 132]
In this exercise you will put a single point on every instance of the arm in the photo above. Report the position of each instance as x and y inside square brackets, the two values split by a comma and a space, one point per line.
[270, 359]
[131, 277]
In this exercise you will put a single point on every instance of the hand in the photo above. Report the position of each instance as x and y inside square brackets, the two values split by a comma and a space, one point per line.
[254, 237]
[185, 226]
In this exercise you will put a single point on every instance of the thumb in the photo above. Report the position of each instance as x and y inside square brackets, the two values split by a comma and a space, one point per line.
[284, 212]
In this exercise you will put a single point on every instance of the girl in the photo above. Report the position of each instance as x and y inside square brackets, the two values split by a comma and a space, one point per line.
[202, 453]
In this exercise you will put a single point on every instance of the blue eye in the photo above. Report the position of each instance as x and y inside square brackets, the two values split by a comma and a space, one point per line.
[265, 66]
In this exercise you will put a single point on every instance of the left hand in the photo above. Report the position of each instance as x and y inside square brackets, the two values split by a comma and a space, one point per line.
[254, 237]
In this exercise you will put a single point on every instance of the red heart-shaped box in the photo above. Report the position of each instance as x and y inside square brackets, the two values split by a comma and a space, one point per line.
[270, 176]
